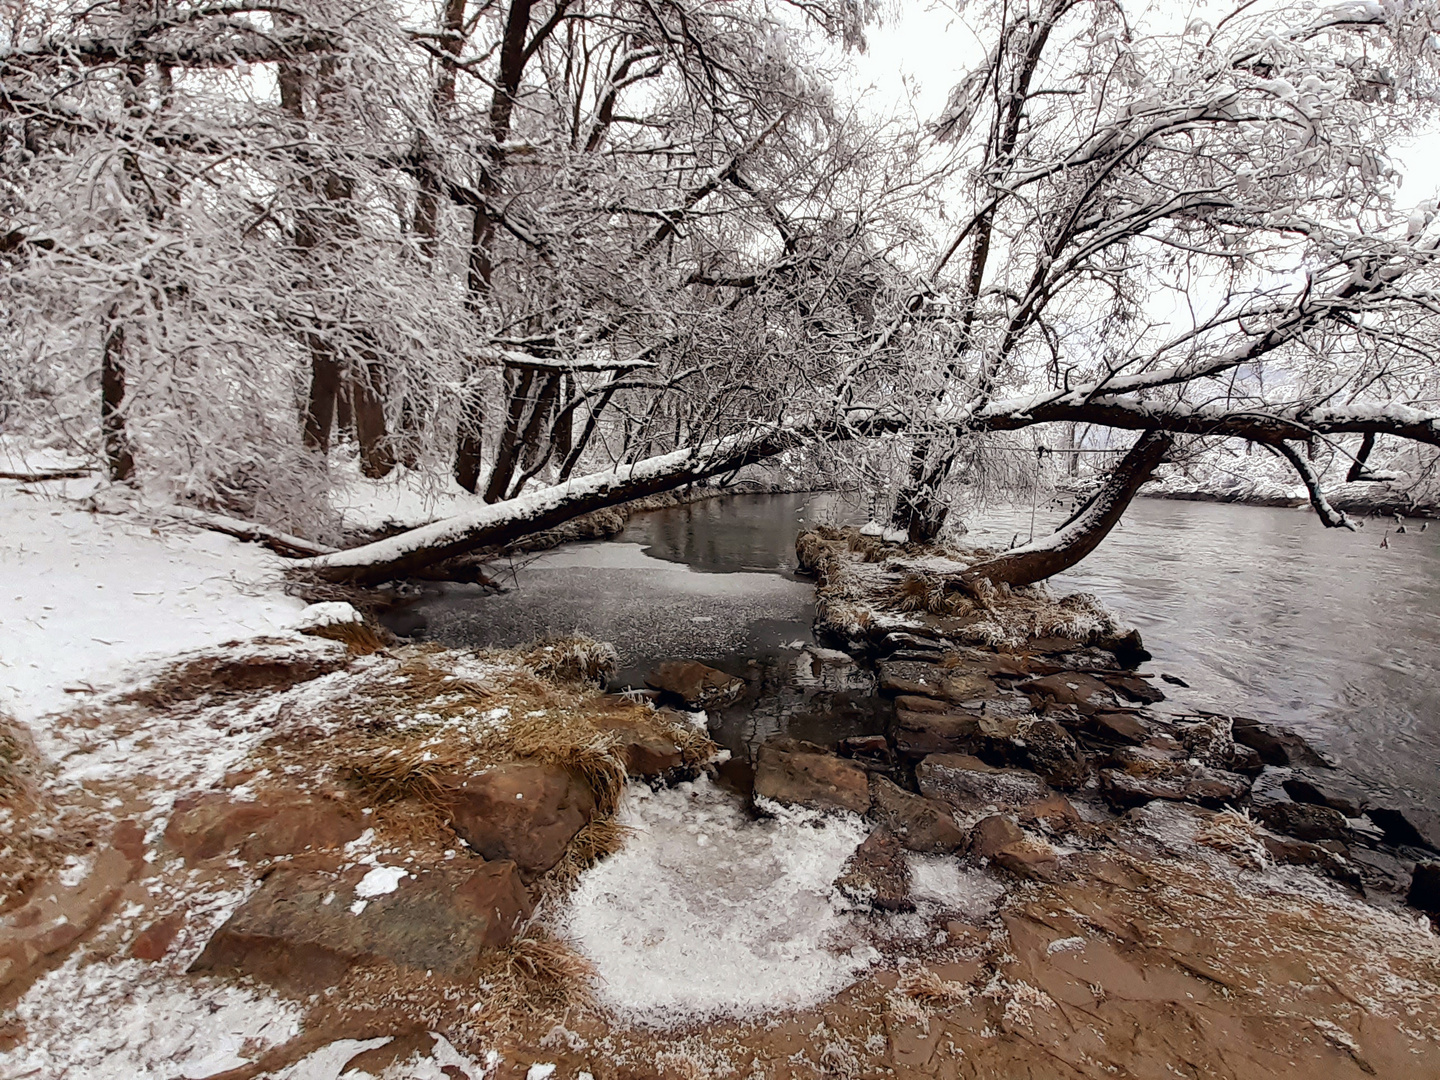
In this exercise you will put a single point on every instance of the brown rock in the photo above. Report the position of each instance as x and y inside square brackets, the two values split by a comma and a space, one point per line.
[1276, 745]
[645, 751]
[915, 703]
[1141, 781]
[1085, 692]
[155, 940]
[1300, 853]
[911, 677]
[1120, 727]
[918, 734]
[1134, 688]
[1055, 810]
[877, 875]
[305, 929]
[791, 771]
[967, 783]
[56, 915]
[993, 834]
[921, 824]
[1053, 753]
[1000, 840]
[698, 686]
[1304, 821]
[209, 825]
[523, 812]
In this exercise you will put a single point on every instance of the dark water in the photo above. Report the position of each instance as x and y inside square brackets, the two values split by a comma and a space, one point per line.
[1262, 611]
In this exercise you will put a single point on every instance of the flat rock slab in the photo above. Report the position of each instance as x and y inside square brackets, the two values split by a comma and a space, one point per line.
[920, 824]
[698, 686]
[1304, 821]
[1142, 781]
[305, 929]
[213, 824]
[1086, 693]
[967, 783]
[527, 813]
[999, 839]
[1277, 745]
[792, 771]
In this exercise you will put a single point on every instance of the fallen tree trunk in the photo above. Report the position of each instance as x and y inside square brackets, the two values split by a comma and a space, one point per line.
[498, 523]
[1079, 536]
[277, 541]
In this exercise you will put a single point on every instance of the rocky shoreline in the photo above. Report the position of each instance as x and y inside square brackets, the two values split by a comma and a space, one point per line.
[375, 852]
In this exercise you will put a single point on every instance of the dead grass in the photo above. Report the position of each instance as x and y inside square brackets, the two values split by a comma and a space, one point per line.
[536, 974]
[602, 837]
[361, 638]
[573, 660]
[1234, 833]
[923, 985]
[17, 765]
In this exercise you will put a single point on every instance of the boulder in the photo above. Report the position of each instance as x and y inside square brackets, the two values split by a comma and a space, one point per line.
[1304, 821]
[1425, 888]
[1141, 781]
[792, 771]
[155, 940]
[1120, 727]
[1276, 745]
[967, 783]
[1053, 753]
[698, 686]
[1128, 648]
[1055, 811]
[911, 677]
[526, 813]
[920, 824]
[213, 824]
[1085, 693]
[877, 874]
[1134, 688]
[1300, 853]
[1000, 840]
[1414, 826]
[918, 734]
[1330, 789]
[305, 929]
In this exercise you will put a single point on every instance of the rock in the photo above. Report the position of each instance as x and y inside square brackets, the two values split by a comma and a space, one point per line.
[1300, 853]
[917, 679]
[1304, 821]
[967, 783]
[645, 751]
[1134, 688]
[791, 771]
[1128, 648]
[1245, 760]
[920, 824]
[1425, 888]
[1209, 741]
[155, 940]
[523, 812]
[1119, 727]
[1000, 840]
[1084, 692]
[917, 703]
[918, 734]
[57, 914]
[1055, 811]
[865, 746]
[1276, 745]
[877, 874]
[1140, 781]
[1174, 680]
[1332, 791]
[212, 824]
[1411, 825]
[306, 928]
[698, 686]
[1054, 754]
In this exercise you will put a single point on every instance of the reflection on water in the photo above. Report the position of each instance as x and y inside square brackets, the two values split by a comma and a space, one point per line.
[1262, 611]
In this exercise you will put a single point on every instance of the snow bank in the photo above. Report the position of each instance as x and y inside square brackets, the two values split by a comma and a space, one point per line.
[85, 595]
[706, 913]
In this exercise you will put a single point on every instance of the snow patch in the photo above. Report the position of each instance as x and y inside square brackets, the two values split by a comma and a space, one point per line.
[328, 613]
[741, 925]
[380, 880]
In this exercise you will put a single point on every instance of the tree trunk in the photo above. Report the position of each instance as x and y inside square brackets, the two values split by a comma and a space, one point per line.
[1080, 535]
[118, 456]
[367, 392]
[324, 390]
[508, 452]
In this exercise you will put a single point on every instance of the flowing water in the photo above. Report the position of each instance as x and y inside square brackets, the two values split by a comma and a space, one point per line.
[1263, 612]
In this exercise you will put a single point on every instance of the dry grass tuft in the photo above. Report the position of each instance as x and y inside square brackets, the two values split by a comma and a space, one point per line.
[573, 660]
[17, 765]
[923, 985]
[1237, 835]
[602, 837]
[535, 974]
[917, 592]
[360, 638]
[390, 769]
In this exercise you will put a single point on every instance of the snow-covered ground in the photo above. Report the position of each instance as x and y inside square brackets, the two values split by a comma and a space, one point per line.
[85, 594]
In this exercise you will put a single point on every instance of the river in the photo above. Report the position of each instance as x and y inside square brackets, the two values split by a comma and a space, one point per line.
[1262, 611]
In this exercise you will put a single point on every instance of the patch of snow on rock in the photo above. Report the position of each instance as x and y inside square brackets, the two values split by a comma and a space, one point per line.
[705, 912]
[328, 613]
[381, 880]
[116, 1021]
[941, 880]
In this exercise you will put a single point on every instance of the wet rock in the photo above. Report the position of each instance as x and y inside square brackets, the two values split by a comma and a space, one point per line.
[918, 734]
[1424, 891]
[1120, 727]
[877, 875]
[698, 686]
[1244, 760]
[1174, 680]
[1053, 753]
[1276, 745]
[920, 824]
[1141, 781]
[911, 677]
[1134, 688]
[1304, 821]
[1128, 648]
[792, 771]
[522, 812]
[1054, 811]
[1209, 741]
[898, 640]
[155, 940]
[1326, 790]
[967, 783]
[872, 751]
[212, 824]
[1408, 825]
[918, 703]
[1380, 869]
[645, 751]
[1053, 645]
[305, 929]
[1000, 840]
[1085, 693]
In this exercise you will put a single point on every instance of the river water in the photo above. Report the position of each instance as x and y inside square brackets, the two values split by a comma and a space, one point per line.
[1262, 611]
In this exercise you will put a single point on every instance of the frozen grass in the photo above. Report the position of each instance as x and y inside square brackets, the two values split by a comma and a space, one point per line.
[707, 913]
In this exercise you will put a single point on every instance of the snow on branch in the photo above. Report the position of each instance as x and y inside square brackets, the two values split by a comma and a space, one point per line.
[1328, 515]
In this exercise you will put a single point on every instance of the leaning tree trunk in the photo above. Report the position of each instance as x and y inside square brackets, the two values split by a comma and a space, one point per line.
[119, 459]
[1080, 535]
